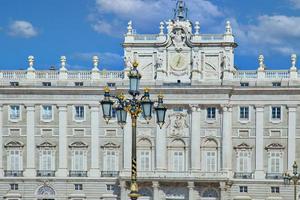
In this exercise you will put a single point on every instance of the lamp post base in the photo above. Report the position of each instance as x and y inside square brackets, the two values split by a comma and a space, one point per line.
[134, 195]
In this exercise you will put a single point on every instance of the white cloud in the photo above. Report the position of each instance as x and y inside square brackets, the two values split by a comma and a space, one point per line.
[296, 3]
[23, 29]
[146, 14]
[277, 33]
[107, 59]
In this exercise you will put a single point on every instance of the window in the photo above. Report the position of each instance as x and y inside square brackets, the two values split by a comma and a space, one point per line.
[14, 84]
[78, 186]
[276, 84]
[79, 160]
[14, 186]
[275, 190]
[14, 160]
[244, 189]
[46, 84]
[46, 160]
[211, 161]
[79, 113]
[244, 84]
[243, 162]
[244, 113]
[276, 113]
[46, 112]
[211, 113]
[275, 162]
[78, 84]
[14, 113]
[178, 161]
[145, 160]
[111, 84]
[110, 187]
[110, 161]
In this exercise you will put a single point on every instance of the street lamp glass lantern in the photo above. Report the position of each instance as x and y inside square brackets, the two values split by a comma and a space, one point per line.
[160, 112]
[134, 80]
[106, 104]
[295, 168]
[121, 115]
[147, 106]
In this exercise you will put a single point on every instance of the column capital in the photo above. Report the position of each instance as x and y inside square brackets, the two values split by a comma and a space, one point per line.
[155, 184]
[122, 184]
[30, 107]
[193, 107]
[62, 107]
[191, 184]
[226, 108]
[259, 106]
[94, 108]
[292, 107]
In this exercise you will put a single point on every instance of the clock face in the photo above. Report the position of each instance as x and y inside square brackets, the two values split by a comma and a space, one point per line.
[178, 62]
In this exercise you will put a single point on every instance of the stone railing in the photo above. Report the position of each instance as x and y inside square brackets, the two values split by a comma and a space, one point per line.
[267, 74]
[57, 75]
[178, 175]
[146, 37]
[211, 37]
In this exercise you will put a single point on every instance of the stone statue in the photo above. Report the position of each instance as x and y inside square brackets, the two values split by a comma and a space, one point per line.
[127, 62]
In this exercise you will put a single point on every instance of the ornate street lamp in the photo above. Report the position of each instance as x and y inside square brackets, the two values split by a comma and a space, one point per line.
[295, 177]
[134, 107]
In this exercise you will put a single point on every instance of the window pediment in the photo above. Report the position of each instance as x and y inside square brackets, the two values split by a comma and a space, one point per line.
[78, 145]
[46, 145]
[110, 145]
[14, 144]
[242, 146]
[274, 146]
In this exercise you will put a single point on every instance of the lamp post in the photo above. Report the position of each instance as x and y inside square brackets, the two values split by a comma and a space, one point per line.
[295, 177]
[134, 106]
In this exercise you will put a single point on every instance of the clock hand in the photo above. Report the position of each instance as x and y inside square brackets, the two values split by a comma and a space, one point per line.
[178, 61]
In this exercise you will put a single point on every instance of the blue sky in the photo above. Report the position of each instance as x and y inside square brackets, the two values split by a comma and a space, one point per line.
[79, 29]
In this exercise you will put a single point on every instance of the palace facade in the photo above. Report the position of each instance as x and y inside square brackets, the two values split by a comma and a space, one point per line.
[229, 134]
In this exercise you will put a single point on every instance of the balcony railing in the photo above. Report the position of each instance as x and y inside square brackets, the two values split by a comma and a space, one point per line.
[274, 176]
[45, 173]
[78, 173]
[13, 173]
[109, 173]
[243, 175]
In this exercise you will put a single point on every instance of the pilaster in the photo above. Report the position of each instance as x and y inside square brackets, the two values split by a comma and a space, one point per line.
[30, 170]
[195, 138]
[259, 143]
[291, 136]
[227, 139]
[62, 146]
[161, 148]
[123, 194]
[95, 171]
[155, 185]
[191, 187]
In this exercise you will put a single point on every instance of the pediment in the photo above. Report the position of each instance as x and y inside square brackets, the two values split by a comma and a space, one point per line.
[78, 144]
[243, 146]
[274, 146]
[14, 144]
[46, 145]
[110, 145]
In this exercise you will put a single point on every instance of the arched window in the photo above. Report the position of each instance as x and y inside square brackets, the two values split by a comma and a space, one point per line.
[177, 155]
[210, 192]
[144, 154]
[210, 155]
[45, 191]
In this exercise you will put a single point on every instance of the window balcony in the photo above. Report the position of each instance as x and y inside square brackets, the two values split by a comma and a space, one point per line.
[13, 173]
[109, 173]
[78, 173]
[45, 173]
[243, 175]
[274, 176]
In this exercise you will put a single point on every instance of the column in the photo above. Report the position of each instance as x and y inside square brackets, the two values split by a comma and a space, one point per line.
[123, 190]
[225, 191]
[259, 143]
[30, 142]
[1, 141]
[62, 145]
[291, 136]
[227, 139]
[161, 149]
[155, 185]
[127, 143]
[195, 138]
[95, 171]
[191, 190]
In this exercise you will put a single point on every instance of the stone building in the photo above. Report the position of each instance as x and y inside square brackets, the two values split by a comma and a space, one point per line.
[229, 134]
